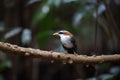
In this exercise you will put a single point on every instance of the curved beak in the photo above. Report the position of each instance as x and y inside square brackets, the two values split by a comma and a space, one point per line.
[55, 34]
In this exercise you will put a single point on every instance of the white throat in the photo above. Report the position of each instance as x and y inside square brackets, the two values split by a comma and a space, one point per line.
[66, 41]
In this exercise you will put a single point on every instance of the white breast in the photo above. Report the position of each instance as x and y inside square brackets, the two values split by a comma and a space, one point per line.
[66, 41]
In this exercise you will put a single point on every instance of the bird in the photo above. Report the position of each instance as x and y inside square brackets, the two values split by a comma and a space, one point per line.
[68, 41]
[69, 44]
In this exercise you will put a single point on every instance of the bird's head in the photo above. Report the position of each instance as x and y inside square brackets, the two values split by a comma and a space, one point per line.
[62, 33]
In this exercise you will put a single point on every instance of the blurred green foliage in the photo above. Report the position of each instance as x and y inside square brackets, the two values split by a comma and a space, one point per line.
[80, 17]
[5, 64]
[55, 15]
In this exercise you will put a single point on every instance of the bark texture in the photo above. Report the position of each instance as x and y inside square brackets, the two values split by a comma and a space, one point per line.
[57, 56]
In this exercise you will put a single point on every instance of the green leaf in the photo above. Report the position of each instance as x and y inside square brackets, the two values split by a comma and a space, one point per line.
[41, 12]
[43, 38]
[5, 64]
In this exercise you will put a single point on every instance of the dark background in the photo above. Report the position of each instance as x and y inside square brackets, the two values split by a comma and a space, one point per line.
[31, 23]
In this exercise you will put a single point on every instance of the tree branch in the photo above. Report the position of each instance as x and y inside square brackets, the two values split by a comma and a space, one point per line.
[56, 56]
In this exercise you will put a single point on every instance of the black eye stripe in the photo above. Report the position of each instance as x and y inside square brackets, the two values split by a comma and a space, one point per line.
[60, 32]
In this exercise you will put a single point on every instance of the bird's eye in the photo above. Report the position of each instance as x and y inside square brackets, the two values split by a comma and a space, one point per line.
[60, 32]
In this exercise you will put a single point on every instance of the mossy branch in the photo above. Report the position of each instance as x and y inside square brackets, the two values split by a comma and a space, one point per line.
[57, 56]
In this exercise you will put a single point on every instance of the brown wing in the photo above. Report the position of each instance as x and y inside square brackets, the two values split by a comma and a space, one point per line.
[74, 44]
